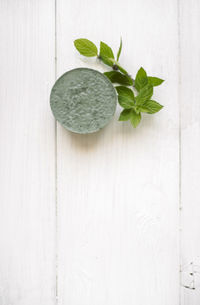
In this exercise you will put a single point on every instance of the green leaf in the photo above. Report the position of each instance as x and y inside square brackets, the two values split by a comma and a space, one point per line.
[125, 115]
[141, 79]
[155, 81]
[117, 77]
[150, 107]
[105, 50]
[135, 118]
[106, 54]
[120, 49]
[125, 102]
[86, 47]
[144, 94]
[126, 92]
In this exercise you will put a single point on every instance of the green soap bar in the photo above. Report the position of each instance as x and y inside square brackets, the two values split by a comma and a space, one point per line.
[83, 100]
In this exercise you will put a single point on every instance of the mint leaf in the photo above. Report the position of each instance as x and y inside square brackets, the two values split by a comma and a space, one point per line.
[125, 102]
[125, 115]
[106, 54]
[150, 107]
[126, 92]
[155, 81]
[120, 49]
[86, 47]
[135, 118]
[117, 77]
[144, 94]
[105, 50]
[141, 79]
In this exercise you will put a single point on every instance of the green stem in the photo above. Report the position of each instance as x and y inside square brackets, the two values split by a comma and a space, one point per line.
[116, 68]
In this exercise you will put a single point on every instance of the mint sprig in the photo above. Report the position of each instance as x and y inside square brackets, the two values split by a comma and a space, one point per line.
[143, 84]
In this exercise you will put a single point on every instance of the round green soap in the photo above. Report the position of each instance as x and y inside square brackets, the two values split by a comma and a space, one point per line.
[83, 100]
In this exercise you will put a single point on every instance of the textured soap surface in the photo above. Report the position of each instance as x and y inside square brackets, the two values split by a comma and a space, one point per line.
[83, 100]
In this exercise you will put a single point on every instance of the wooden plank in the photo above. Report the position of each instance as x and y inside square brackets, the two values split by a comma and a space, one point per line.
[27, 159]
[190, 140]
[118, 190]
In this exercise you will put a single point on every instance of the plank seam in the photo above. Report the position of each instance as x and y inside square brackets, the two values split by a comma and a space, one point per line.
[180, 148]
[56, 166]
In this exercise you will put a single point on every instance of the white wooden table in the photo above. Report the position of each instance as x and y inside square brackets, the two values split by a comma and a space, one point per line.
[111, 218]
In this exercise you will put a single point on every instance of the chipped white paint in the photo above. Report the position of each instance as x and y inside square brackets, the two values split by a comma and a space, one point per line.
[95, 219]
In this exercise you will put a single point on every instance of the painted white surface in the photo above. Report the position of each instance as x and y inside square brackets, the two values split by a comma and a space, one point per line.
[190, 150]
[27, 154]
[118, 190]
[95, 219]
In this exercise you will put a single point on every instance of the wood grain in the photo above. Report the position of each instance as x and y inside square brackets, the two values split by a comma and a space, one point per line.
[27, 159]
[190, 152]
[118, 190]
